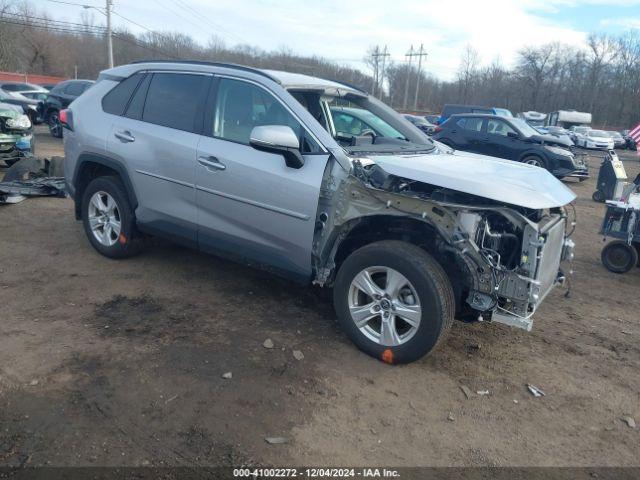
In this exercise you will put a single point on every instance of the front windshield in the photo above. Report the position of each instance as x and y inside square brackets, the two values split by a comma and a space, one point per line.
[598, 134]
[525, 129]
[351, 120]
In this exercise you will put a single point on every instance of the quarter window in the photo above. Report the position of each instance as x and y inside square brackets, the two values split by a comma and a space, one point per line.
[241, 106]
[116, 100]
[174, 99]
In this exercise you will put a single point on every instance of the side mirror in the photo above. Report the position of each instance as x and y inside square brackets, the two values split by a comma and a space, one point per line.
[279, 139]
[513, 135]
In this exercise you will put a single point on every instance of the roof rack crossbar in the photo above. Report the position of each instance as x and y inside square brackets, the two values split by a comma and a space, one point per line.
[213, 64]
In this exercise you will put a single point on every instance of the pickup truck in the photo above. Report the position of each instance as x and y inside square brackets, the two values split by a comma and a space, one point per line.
[322, 183]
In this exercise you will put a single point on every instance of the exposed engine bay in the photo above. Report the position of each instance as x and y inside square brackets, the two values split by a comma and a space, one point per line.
[502, 259]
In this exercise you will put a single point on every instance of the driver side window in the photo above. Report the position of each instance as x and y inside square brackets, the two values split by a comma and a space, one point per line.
[498, 127]
[241, 106]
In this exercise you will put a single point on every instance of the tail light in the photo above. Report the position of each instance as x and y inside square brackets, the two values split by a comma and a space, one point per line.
[66, 118]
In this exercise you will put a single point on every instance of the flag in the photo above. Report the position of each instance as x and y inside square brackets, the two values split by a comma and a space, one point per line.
[635, 135]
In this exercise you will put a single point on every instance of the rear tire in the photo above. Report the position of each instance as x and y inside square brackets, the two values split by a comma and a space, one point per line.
[109, 220]
[619, 257]
[417, 299]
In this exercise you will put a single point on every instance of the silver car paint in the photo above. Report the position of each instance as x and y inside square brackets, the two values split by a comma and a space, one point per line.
[266, 212]
[519, 184]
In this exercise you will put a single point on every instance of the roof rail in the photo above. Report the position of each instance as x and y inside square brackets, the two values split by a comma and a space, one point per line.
[214, 64]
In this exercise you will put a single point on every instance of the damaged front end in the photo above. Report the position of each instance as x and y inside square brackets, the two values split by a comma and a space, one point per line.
[16, 134]
[502, 259]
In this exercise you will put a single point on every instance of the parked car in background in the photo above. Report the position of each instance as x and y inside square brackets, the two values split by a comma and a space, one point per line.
[16, 133]
[511, 139]
[577, 132]
[630, 143]
[433, 119]
[48, 86]
[533, 118]
[59, 98]
[451, 109]
[618, 140]
[422, 123]
[269, 168]
[29, 106]
[20, 87]
[597, 139]
[558, 132]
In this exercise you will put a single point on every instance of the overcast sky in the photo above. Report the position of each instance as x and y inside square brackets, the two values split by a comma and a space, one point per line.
[342, 30]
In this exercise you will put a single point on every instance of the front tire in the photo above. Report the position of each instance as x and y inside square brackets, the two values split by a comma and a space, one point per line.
[108, 218]
[394, 301]
[535, 161]
[619, 257]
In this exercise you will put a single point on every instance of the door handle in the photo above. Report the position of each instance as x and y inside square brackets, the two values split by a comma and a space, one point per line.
[125, 136]
[211, 162]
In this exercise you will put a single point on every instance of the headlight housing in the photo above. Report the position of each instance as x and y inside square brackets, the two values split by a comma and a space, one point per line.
[22, 122]
[559, 151]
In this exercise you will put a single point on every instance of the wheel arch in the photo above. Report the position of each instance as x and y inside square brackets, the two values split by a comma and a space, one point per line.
[363, 231]
[90, 166]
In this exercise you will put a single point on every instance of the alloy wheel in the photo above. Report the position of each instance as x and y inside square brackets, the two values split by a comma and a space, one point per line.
[104, 218]
[384, 306]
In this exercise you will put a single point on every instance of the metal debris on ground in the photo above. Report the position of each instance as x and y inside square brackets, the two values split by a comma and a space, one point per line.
[268, 343]
[535, 391]
[32, 176]
[483, 392]
[276, 440]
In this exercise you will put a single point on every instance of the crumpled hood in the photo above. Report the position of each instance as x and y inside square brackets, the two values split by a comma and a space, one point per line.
[10, 111]
[501, 180]
[552, 140]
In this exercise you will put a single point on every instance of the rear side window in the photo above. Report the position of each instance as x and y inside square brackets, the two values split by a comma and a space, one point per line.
[174, 100]
[116, 100]
[473, 124]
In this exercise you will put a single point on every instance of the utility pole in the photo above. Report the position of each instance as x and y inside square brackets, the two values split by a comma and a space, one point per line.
[109, 34]
[421, 53]
[378, 73]
[374, 82]
[384, 54]
[406, 84]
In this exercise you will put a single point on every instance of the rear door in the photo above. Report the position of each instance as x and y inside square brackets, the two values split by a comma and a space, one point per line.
[471, 135]
[250, 204]
[157, 139]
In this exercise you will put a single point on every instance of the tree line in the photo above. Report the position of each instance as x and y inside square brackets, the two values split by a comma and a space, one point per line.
[601, 77]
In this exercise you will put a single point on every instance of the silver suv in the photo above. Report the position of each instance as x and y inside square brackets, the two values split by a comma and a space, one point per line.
[322, 183]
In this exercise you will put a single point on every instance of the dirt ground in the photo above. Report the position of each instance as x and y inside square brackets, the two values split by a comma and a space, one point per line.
[120, 363]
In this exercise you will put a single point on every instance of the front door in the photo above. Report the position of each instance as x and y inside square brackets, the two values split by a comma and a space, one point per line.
[250, 204]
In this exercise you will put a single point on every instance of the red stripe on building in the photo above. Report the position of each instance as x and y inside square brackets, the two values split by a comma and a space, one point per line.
[29, 78]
